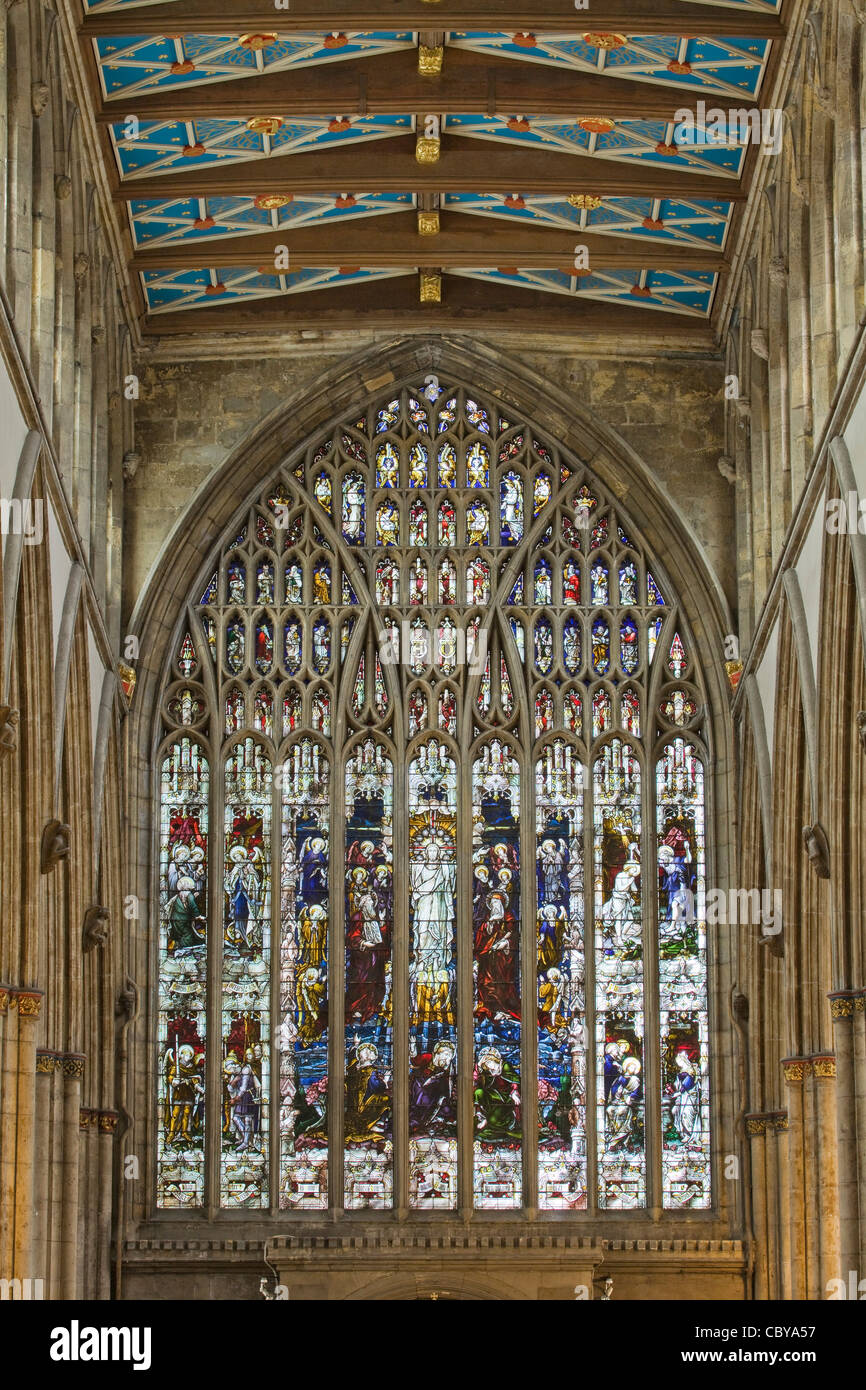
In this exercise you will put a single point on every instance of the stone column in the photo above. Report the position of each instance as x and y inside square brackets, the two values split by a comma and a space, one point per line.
[859, 1066]
[781, 1128]
[45, 1064]
[756, 1129]
[102, 1273]
[825, 1179]
[73, 1070]
[29, 1004]
[842, 1013]
[8, 1039]
[795, 1071]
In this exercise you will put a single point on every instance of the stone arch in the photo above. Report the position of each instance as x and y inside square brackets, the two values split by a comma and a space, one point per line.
[282, 437]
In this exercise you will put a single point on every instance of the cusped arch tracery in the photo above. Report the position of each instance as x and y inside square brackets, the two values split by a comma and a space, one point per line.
[435, 635]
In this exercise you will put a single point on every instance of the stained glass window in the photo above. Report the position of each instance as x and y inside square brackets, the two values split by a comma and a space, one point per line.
[182, 1023]
[432, 978]
[451, 733]
[367, 1120]
[496, 968]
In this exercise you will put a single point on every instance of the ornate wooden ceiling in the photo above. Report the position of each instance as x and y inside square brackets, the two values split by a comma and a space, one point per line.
[418, 162]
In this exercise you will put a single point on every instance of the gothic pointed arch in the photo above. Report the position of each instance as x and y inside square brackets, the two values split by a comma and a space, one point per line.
[433, 753]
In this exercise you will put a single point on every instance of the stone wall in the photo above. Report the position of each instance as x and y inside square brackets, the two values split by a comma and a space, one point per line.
[191, 415]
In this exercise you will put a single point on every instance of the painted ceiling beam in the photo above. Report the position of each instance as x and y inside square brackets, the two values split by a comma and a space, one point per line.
[390, 84]
[464, 166]
[463, 241]
[511, 16]
[393, 306]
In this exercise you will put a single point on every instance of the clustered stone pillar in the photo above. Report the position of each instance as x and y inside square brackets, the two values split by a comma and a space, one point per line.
[767, 1131]
[847, 1010]
[814, 1162]
[19, 1015]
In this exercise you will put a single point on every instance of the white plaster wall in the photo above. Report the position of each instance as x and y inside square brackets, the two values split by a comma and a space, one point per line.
[13, 432]
[765, 677]
[808, 570]
[96, 675]
[60, 565]
[855, 438]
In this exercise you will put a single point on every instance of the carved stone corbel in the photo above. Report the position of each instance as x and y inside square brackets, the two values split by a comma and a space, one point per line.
[39, 94]
[80, 267]
[777, 271]
[817, 848]
[861, 728]
[94, 932]
[62, 188]
[774, 942]
[8, 730]
[726, 467]
[55, 845]
[126, 1006]
[131, 460]
[760, 344]
[824, 98]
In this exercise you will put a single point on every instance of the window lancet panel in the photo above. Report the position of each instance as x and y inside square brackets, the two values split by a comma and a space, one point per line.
[446, 716]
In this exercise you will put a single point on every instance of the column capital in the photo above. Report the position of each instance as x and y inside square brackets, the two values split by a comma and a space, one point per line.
[842, 1003]
[796, 1069]
[28, 1002]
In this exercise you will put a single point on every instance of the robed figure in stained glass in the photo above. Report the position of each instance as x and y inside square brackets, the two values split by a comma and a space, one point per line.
[432, 885]
[497, 960]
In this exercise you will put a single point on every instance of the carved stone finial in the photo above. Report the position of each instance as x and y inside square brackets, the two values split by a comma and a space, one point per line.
[95, 929]
[131, 460]
[861, 728]
[727, 469]
[62, 188]
[55, 845]
[760, 344]
[39, 94]
[8, 730]
[80, 267]
[817, 848]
